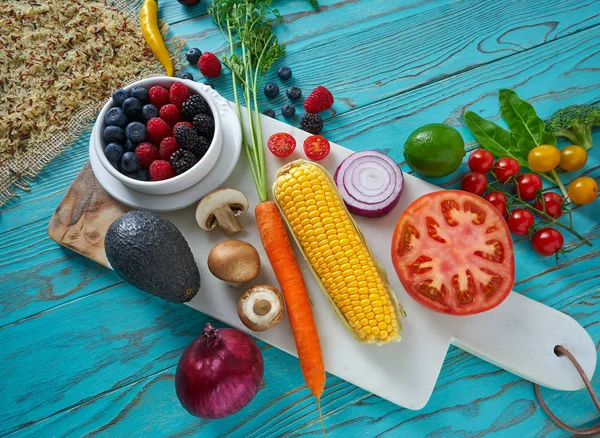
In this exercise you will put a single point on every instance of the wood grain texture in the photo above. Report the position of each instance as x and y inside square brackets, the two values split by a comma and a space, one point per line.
[108, 351]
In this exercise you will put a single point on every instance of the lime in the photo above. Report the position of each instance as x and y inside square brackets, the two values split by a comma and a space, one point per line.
[434, 150]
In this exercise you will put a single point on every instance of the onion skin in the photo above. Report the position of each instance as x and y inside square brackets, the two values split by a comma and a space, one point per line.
[219, 373]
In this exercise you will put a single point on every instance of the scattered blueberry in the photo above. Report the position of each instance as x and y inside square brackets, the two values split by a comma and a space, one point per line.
[132, 108]
[271, 90]
[114, 134]
[140, 93]
[128, 146]
[115, 117]
[269, 112]
[284, 73]
[119, 96]
[142, 175]
[130, 162]
[186, 75]
[193, 55]
[288, 110]
[149, 111]
[293, 93]
[209, 84]
[113, 152]
[136, 132]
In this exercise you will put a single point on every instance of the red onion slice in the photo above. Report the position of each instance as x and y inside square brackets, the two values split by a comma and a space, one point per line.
[370, 183]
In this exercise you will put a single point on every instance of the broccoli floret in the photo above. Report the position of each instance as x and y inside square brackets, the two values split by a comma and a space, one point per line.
[575, 122]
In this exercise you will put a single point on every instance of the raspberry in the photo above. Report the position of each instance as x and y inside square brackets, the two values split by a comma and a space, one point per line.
[210, 66]
[158, 96]
[161, 170]
[170, 114]
[167, 147]
[146, 153]
[178, 94]
[157, 130]
[319, 100]
[188, 124]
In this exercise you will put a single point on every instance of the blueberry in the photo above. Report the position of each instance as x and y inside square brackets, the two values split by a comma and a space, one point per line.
[149, 111]
[284, 73]
[271, 90]
[132, 108]
[140, 93]
[136, 132]
[209, 84]
[130, 162]
[115, 117]
[119, 96]
[142, 175]
[128, 146]
[114, 134]
[193, 55]
[288, 110]
[186, 75]
[293, 93]
[113, 152]
[269, 112]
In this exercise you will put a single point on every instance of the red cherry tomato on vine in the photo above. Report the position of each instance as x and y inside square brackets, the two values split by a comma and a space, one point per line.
[499, 201]
[480, 160]
[505, 168]
[527, 186]
[547, 241]
[553, 204]
[281, 144]
[316, 147]
[474, 182]
[519, 221]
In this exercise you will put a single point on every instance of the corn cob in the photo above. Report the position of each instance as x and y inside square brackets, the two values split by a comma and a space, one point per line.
[354, 282]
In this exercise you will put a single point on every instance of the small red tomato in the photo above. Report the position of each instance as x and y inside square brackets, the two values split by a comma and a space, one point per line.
[527, 186]
[499, 201]
[480, 160]
[547, 241]
[551, 204]
[281, 144]
[474, 182]
[316, 147]
[519, 221]
[505, 168]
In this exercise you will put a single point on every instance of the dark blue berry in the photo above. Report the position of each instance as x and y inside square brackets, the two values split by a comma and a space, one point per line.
[136, 132]
[119, 96]
[128, 146]
[269, 112]
[288, 110]
[149, 111]
[130, 162]
[142, 175]
[132, 108]
[114, 134]
[115, 117]
[209, 84]
[271, 90]
[293, 93]
[186, 75]
[193, 55]
[113, 152]
[284, 73]
[141, 94]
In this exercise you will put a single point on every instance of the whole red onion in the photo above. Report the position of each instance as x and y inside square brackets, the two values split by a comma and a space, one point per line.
[219, 373]
[189, 2]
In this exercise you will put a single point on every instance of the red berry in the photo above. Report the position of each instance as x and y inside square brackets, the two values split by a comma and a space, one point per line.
[209, 64]
[319, 100]
[519, 221]
[146, 153]
[527, 186]
[170, 114]
[480, 160]
[161, 170]
[158, 96]
[167, 147]
[505, 168]
[188, 124]
[551, 203]
[499, 201]
[474, 182]
[157, 130]
[178, 94]
[547, 241]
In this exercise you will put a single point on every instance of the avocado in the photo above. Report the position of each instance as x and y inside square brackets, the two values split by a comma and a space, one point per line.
[151, 254]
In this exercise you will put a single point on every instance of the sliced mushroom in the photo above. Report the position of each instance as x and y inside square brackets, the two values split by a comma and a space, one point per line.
[222, 207]
[234, 261]
[261, 307]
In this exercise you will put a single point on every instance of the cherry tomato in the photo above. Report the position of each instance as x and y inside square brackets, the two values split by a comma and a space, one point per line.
[316, 147]
[519, 221]
[544, 158]
[453, 253]
[281, 144]
[480, 160]
[551, 204]
[505, 168]
[527, 186]
[573, 158]
[583, 190]
[499, 201]
[474, 182]
[546, 241]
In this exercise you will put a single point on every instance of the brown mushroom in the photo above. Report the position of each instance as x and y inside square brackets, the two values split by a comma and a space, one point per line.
[261, 307]
[222, 207]
[234, 261]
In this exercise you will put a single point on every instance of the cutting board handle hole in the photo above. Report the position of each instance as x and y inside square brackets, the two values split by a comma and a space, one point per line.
[557, 351]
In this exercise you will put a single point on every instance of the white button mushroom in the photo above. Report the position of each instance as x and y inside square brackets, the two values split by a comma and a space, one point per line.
[221, 207]
[261, 307]
[234, 261]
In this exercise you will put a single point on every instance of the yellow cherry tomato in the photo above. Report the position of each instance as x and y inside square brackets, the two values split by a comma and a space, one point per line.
[573, 158]
[583, 190]
[544, 158]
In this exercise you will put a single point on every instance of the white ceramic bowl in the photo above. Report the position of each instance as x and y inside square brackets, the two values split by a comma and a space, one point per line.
[179, 182]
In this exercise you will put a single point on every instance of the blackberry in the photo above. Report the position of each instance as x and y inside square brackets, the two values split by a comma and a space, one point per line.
[312, 123]
[189, 140]
[193, 106]
[182, 161]
[204, 125]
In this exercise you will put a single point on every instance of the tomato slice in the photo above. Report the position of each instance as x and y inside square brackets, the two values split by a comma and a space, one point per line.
[453, 253]
[316, 147]
[281, 144]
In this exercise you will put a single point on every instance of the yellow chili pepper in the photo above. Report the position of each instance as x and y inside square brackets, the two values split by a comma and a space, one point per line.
[152, 35]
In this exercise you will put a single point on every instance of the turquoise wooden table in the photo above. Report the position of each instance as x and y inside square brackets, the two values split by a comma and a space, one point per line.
[82, 353]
